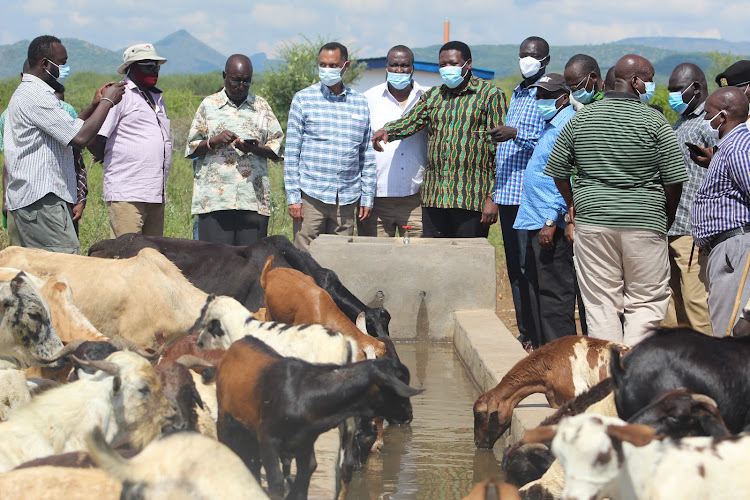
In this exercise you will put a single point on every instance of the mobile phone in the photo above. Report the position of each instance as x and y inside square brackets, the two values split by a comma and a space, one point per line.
[694, 148]
[252, 141]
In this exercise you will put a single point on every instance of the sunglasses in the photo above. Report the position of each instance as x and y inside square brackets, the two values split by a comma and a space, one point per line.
[149, 66]
[236, 83]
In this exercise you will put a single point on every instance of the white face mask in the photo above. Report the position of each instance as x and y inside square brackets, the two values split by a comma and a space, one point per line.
[530, 66]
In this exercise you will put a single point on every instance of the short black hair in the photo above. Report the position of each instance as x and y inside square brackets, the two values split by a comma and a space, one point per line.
[587, 63]
[336, 46]
[540, 40]
[41, 48]
[401, 48]
[459, 46]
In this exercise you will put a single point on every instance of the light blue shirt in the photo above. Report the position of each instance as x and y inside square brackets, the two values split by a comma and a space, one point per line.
[540, 199]
[328, 154]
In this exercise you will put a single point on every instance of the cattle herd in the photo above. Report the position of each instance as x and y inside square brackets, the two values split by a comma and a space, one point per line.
[258, 350]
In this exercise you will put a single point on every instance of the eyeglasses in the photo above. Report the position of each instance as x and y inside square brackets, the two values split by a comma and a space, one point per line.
[236, 83]
[578, 86]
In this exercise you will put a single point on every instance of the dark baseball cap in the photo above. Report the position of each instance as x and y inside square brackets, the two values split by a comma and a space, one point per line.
[552, 82]
[735, 74]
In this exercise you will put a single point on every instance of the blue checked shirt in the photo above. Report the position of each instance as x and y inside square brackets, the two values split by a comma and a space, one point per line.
[514, 155]
[722, 202]
[541, 200]
[328, 153]
[689, 128]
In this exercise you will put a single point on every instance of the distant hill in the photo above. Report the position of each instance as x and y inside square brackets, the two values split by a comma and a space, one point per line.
[186, 54]
[684, 44]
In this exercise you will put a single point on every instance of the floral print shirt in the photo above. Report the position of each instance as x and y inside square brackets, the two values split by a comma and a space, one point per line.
[224, 177]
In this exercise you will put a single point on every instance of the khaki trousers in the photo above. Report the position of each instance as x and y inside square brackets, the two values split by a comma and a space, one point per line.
[135, 217]
[623, 275]
[390, 214]
[322, 218]
[689, 302]
[47, 224]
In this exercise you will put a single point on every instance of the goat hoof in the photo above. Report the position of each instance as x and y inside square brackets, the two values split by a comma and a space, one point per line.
[377, 445]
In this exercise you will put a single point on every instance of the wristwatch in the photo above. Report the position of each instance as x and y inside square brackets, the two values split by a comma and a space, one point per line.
[550, 223]
[566, 218]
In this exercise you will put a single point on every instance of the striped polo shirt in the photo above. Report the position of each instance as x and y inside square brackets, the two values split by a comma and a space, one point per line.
[37, 135]
[625, 153]
[460, 169]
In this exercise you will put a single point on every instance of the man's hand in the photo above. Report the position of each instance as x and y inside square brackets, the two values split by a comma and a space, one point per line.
[112, 91]
[380, 135]
[547, 237]
[489, 212]
[246, 147]
[77, 211]
[295, 211]
[99, 92]
[704, 158]
[502, 133]
[225, 138]
[364, 212]
[570, 232]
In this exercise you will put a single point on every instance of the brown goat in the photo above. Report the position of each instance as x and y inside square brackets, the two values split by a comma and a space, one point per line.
[560, 370]
[492, 489]
[293, 298]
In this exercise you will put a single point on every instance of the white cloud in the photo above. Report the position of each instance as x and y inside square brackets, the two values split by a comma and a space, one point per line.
[282, 16]
[79, 20]
[45, 25]
[37, 7]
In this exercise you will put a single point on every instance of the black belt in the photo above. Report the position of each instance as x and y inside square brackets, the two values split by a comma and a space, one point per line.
[725, 236]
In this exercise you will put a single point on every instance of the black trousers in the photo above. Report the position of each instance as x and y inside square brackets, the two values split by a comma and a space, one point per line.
[555, 286]
[453, 223]
[232, 227]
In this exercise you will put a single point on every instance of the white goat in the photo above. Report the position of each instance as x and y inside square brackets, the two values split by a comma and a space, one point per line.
[223, 320]
[124, 398]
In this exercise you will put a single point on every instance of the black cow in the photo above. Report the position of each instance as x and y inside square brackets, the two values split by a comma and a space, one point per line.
[235, 271]
[680, 357]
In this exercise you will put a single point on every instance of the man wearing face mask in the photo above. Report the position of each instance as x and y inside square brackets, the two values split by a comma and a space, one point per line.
[584, 78]
[689, 302]
[721, 212]
[518, 137]
[233, 135]
[38, 139]
[401, 167]
[458, 181]
[629, 175]
[329, 164]
[544, 214]
[736, 75]
[136, 148]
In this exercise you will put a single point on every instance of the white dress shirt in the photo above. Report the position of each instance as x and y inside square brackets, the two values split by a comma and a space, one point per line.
[400, 167]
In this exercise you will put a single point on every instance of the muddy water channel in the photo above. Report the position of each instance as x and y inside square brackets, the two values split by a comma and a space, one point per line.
[434, 457]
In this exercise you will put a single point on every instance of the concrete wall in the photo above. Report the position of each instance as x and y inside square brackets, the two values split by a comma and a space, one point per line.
[421, 284]
[488, 350]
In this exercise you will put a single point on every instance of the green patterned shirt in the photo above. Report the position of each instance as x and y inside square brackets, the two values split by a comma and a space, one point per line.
[460, 169]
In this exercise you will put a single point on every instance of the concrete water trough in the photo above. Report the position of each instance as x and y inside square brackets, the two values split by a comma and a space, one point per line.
[441, 294]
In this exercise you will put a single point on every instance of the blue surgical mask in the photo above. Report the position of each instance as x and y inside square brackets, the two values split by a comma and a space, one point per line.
[650, 89]
[64, 71]
[399, 81]
[677, 104]
[452, 76]
[329, 76]
[712, 132]
[582, 95]
[547, 108]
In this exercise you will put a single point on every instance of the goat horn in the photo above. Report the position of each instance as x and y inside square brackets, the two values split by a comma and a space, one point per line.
[105, 366]
[702, 398]
[149, 355]
[190, 361]
[64, 351]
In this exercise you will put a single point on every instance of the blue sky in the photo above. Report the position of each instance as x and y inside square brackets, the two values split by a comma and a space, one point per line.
[371, 27]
